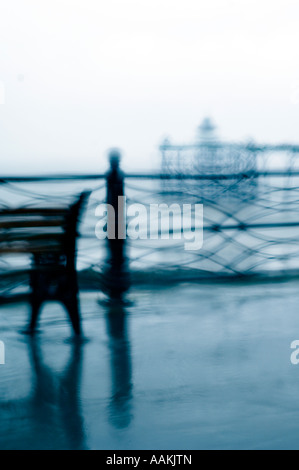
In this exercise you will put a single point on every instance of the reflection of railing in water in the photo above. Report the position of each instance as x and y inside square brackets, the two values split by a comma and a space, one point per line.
[242, 236]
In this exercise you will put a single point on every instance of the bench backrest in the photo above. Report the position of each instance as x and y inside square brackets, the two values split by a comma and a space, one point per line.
[41, 230]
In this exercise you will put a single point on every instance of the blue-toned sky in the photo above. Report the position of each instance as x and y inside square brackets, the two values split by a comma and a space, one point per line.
[82, 76]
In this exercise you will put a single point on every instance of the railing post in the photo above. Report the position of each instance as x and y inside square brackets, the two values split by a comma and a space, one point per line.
[117, 274]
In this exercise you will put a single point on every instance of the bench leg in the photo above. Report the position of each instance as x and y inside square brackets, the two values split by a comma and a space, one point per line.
[72, 307]
[35, 309]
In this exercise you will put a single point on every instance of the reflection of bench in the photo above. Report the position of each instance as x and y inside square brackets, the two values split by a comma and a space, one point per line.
[49, 235]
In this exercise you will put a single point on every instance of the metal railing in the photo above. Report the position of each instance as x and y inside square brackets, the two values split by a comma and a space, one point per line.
[251, 223]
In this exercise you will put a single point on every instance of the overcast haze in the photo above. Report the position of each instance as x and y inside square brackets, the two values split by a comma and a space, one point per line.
[82, 76]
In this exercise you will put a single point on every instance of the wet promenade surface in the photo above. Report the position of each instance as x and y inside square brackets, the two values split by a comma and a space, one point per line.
[187, 367]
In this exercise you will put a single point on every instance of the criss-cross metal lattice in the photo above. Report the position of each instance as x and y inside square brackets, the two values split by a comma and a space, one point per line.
[250, 224]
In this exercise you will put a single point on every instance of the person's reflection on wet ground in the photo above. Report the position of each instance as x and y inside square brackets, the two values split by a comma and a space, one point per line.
[52, 410]
[120, 406]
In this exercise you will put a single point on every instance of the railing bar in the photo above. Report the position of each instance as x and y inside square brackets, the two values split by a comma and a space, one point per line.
[155, 176]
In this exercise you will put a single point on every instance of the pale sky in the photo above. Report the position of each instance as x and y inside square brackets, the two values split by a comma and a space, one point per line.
[78, 77]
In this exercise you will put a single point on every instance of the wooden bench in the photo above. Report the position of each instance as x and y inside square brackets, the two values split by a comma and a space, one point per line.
[48, 235]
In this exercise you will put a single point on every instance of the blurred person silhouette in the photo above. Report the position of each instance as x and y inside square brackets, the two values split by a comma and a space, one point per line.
[116, 278]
